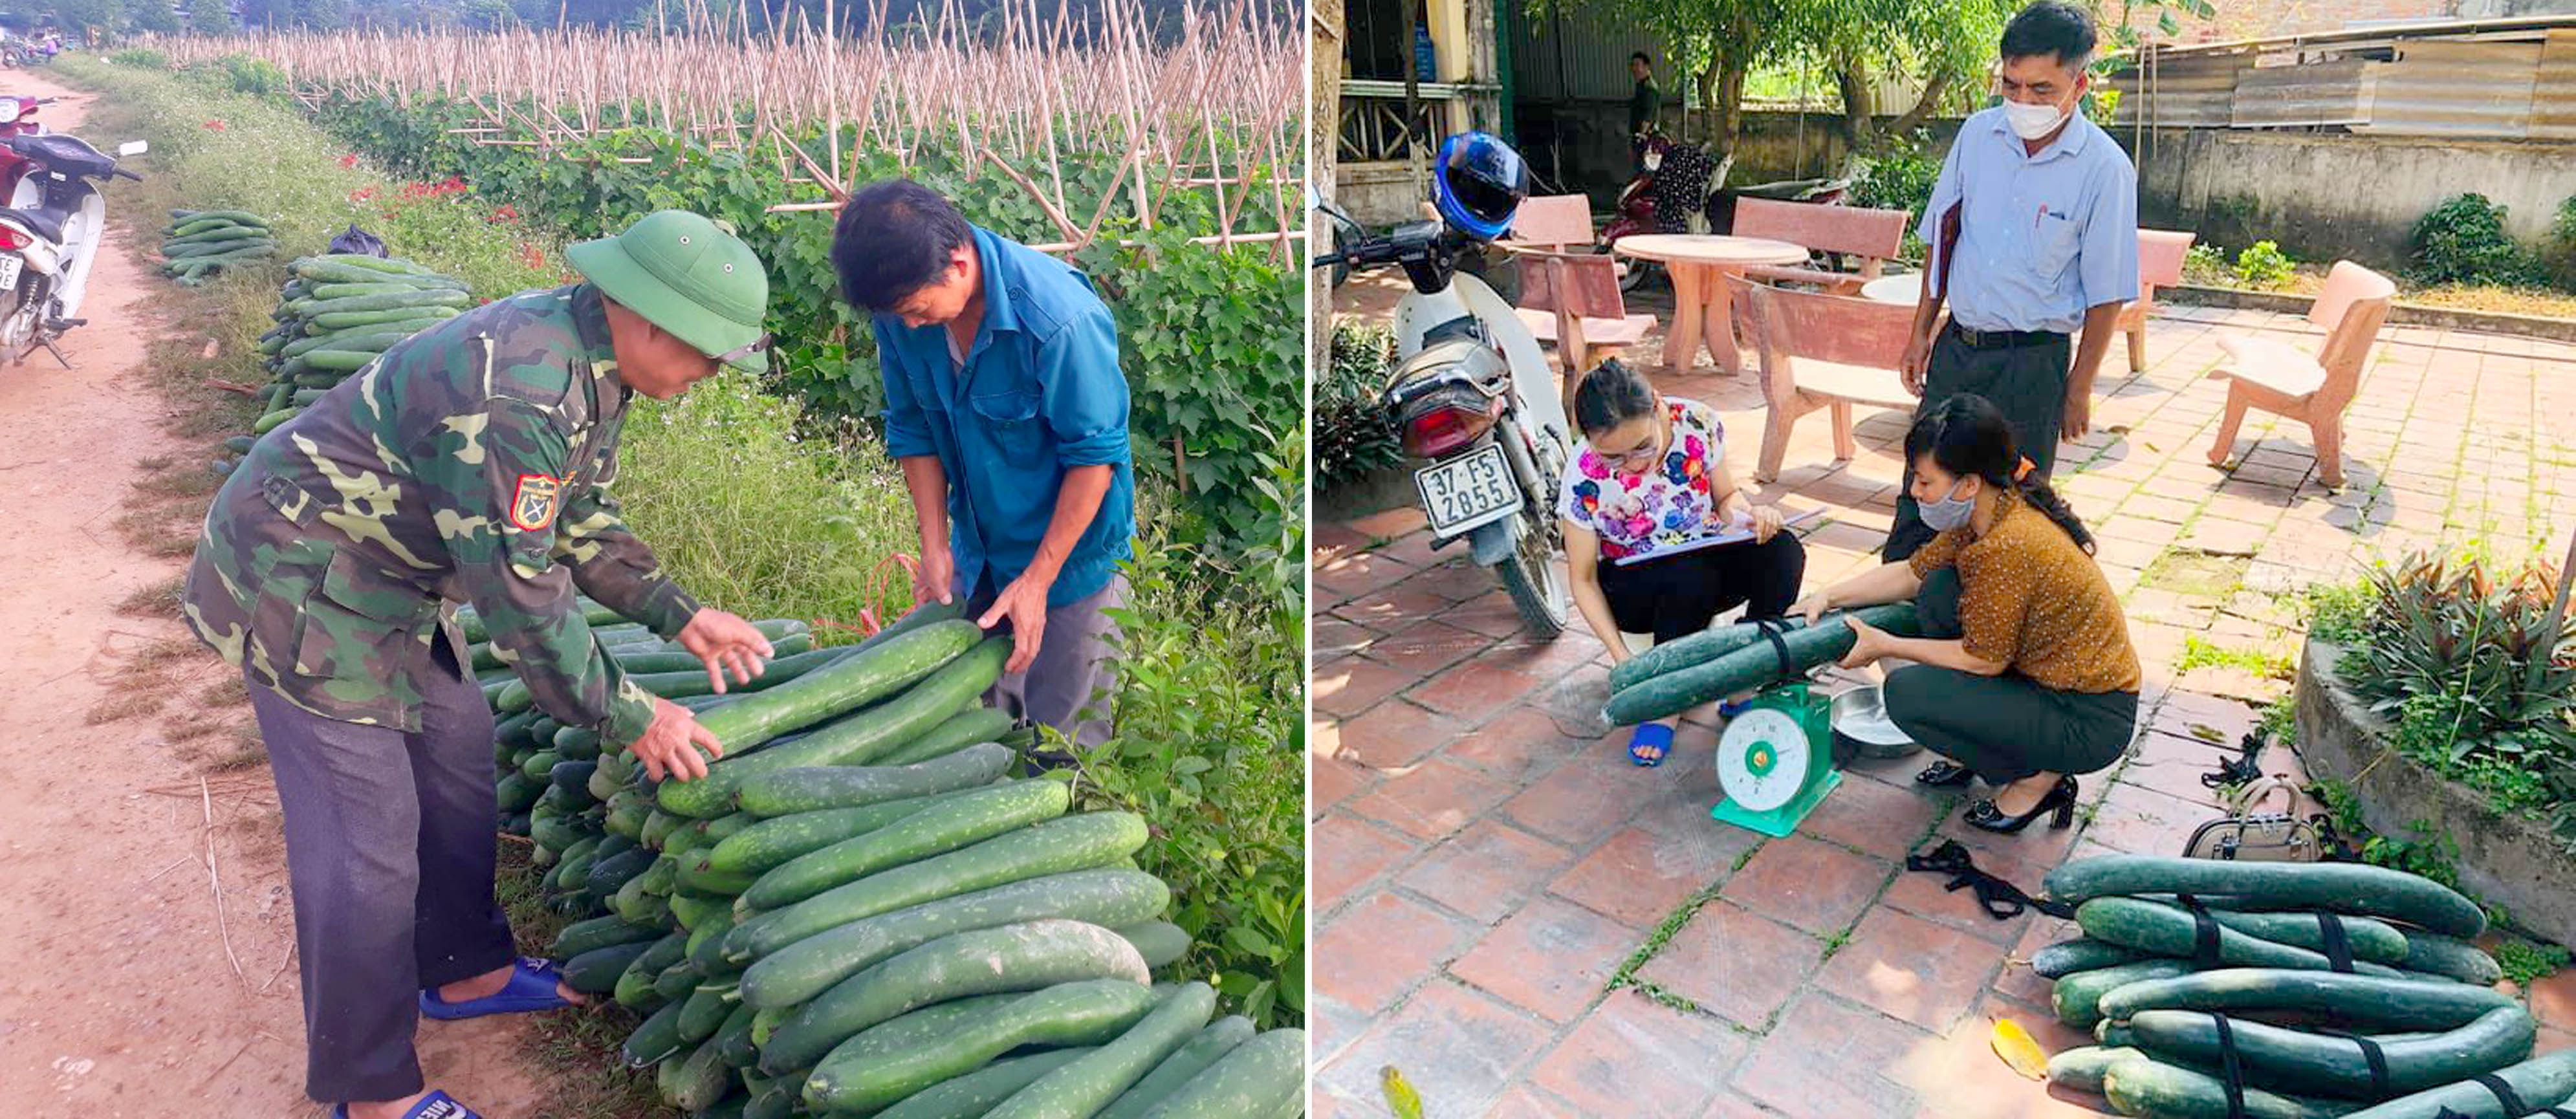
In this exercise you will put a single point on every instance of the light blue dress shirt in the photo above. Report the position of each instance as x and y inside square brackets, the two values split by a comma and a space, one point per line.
[2041, 237]
[1039, 393]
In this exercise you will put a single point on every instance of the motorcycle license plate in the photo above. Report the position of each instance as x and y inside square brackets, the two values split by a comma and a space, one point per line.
[1467, 491]
[9, 268]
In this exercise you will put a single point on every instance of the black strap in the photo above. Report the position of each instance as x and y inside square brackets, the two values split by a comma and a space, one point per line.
[2001, 900]
[2338, 947]
[2231, 1074]
[2240, 769]
[2371, 1054]
[2204, 935]
[2513, 1105]
[1771, 628]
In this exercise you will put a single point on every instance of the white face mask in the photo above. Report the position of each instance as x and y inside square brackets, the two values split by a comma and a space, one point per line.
[2030, 122]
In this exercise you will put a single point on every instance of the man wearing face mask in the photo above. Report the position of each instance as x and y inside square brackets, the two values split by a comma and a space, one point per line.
[2033, 226]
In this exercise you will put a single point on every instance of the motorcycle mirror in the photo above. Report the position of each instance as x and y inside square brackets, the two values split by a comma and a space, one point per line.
[132, 148]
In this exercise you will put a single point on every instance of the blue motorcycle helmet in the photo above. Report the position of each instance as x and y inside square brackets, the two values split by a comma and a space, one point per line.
[1477, 183]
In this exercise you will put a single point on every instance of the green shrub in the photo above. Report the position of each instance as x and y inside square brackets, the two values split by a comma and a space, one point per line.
[2263, 265]
[2463, 241]
[2560, 253]
[2338, 612]
[1899, 179]
[2205, 263]
[1353, 435]
[139, 56]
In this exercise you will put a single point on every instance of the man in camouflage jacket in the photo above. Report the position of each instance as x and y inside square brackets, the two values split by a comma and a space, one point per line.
[468, 464]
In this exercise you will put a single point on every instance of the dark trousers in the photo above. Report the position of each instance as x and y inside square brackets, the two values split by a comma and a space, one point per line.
[2003, 727]
[1068, 686]
[2028, 383]
[389, 854]
[1679, 595]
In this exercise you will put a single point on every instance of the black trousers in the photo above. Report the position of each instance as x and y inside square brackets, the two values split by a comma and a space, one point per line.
[1679, 595]
[389, 855]
[2028, 383]
[2003, 727]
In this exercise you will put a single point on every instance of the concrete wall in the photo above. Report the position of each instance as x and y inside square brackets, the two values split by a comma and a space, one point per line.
[2332, 196]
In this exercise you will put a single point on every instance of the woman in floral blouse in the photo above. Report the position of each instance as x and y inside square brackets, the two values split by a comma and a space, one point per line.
[1651, 474]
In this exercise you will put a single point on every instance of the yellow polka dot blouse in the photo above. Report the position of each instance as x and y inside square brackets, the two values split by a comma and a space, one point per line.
[2030, 598]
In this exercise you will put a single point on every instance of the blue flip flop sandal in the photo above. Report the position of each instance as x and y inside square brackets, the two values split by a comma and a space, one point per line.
[531, 988]
[1655, 736]
[435, 1105]
[1728, 709]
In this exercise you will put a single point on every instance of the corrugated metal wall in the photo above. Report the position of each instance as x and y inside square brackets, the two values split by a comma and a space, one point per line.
[1583, 56]
[2458, 90]
[2553, 96]
[2288, 96]
[2181, 93]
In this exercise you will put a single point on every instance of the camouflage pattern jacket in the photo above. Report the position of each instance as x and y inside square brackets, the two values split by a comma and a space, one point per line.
[467, 464]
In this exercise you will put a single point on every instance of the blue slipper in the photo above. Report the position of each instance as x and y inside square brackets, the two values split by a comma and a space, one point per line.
[435, 1105]
[1650, 736]
[1728, 709]
[531, 987]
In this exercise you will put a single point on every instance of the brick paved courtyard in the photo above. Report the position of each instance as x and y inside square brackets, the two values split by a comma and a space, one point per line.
[1525, 924]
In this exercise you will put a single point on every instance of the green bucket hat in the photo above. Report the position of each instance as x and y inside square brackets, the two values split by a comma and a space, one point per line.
[688, 276]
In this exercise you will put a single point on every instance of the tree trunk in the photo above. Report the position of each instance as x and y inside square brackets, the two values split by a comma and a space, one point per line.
[1323, 139]
[1729, 109]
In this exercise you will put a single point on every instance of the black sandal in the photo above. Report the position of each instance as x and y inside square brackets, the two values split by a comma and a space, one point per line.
[1945, 775]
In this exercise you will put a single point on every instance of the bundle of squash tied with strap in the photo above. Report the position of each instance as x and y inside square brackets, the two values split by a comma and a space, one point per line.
[2240, 990]
[1716, 663]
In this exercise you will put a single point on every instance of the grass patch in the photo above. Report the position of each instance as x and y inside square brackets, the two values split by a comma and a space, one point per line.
[2525, 962]
[248, 752]
[2200, 653]
[230, 691]
[157, 600]
[118, 708]
[2200, 574]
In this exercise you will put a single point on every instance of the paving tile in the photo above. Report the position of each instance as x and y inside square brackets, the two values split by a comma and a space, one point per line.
[1572, 651]
[1922, 894]
[1728, 1105]
[1336, 637]
[2141, 821]
[1330, 779]
[1349, 853]
[2173, 765]
[1517, 745]
[1457, 1047]
[1431, 799]
[1734, 963]
[2553, 999]
[1390, 524]
[1551, 958]
[1475, 691]
[1908, 968]
[1384, 945]
[1580, 801]
[1332, 1026]
[1360, 573]
[1807, 884]
[1876, 817]
[1427, 646]
[1351, 685]
[1453, 578]
[1633, 1057]
[1492, 615]
[1526, 1102]
[1958, 1076]
[1393, 608]
[1486, 870]
[1828, 1057]
[1394, 735]
[2017, 981]
[1638, 877]
[2224, 537]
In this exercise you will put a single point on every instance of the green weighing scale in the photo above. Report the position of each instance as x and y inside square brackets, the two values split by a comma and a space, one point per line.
[1775, 760]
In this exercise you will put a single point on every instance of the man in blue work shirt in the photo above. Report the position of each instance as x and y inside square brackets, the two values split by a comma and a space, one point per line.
[2034, 232]
[1007, 410]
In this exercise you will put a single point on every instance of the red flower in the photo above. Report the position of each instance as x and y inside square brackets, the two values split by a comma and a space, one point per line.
[506, 213]
[362, 194]
[532, 255]
[350, 160]
[215, 125]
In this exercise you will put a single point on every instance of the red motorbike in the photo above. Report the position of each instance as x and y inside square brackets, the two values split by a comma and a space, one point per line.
[18, 118]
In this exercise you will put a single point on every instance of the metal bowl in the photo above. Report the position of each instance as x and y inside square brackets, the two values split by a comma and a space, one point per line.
[1861, 725]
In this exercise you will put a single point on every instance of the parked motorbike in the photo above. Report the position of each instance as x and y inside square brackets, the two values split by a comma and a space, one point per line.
[18, 118]
[49, 237]
[1472, 393]
[1635, 211]
[1681, 190]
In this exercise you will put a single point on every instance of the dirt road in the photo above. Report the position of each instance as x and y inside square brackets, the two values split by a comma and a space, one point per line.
[126, 988]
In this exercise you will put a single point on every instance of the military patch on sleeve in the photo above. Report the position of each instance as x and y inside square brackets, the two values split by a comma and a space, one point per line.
[532, 506]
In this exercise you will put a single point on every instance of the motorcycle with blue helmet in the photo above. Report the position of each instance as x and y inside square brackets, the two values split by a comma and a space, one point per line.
[1471, 393]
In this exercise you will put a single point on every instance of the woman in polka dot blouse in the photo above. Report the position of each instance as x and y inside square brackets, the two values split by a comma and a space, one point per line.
[2024, 676]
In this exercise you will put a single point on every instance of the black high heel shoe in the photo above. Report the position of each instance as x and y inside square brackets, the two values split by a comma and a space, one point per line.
[1984, 816]
[1945, 775]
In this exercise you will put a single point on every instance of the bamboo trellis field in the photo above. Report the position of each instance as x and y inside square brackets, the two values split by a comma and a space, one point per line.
[1215, 106]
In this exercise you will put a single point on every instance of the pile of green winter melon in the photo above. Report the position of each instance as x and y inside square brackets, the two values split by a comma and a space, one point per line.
[201, 243]
[2294, 964]
[861, 910]
[337, 313]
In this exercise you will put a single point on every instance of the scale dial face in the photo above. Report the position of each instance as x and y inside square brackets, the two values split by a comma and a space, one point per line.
[1762, 759]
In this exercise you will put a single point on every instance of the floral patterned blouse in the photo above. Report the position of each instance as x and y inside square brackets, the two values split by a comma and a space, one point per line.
[1670, 503]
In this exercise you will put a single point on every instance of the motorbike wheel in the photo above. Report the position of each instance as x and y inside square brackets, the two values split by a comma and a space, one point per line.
[1635, 276]
[1536, 583]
